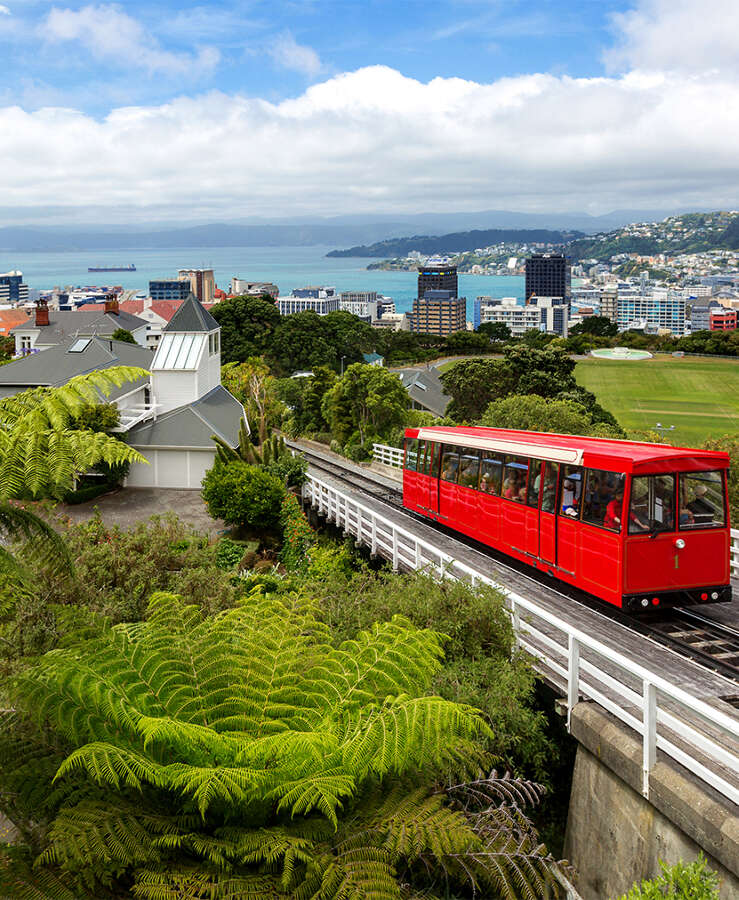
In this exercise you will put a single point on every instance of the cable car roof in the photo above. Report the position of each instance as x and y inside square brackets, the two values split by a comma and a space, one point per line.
[571, 449]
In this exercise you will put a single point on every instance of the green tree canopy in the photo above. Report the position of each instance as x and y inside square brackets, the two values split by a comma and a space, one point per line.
[306, 340]
[247, 326]
[368, 400]
[121, 334]
[530, 412]
[252, 383]
[496, 331]
[243, 755]
[600, 326]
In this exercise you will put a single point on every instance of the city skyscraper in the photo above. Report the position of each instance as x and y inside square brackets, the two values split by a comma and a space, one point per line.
[436, 275]
[548, 275]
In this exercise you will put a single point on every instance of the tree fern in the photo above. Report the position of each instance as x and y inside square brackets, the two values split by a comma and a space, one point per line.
[244, 756]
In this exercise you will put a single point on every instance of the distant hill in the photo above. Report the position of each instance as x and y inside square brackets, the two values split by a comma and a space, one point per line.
[689, 233]
[458, 242]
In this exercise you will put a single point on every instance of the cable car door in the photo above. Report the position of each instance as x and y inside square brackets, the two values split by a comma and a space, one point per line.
[431, 468]
[548, 514]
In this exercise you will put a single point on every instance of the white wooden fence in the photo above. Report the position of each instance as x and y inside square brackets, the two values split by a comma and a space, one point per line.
[388, 456]
[392, 456]
[702, 739]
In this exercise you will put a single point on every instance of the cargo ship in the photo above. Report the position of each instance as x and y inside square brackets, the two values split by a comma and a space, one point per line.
[129, 268]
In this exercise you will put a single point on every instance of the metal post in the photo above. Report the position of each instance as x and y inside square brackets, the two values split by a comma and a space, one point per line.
[516, 619]
[395, 549]
[573, 675]
[649, 737]
[373, 544]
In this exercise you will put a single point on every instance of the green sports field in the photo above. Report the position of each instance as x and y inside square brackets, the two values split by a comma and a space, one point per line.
[698, 395]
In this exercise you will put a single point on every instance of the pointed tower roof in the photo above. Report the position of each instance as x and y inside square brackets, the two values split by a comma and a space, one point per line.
[191, 317]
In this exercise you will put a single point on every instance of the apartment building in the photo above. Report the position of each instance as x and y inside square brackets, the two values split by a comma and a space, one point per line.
[438, 312]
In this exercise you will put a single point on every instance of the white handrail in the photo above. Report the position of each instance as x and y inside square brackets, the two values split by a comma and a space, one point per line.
[584, 666]
[388, 456]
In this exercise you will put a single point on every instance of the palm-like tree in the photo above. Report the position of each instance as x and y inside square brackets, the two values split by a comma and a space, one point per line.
[40, 456]
[244, 756]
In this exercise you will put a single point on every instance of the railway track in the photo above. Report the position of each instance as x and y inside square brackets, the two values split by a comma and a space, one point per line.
[708, 643]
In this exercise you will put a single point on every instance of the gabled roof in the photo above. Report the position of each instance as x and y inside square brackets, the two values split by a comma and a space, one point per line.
[218, 412]
[9, 318]
[55, 366]
[191, 316]
[64, 324]
[425, 389]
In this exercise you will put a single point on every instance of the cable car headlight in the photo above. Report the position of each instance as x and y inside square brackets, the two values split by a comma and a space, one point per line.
[714, 595]
[645, 602]
[680, 543]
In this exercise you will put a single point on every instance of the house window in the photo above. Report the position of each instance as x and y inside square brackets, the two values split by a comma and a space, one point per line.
[213, 343]
[26, 342]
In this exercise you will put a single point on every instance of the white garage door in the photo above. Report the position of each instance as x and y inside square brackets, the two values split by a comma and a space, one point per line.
[171, 469]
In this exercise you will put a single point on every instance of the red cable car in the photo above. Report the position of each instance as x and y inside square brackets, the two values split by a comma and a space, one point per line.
[638, 525]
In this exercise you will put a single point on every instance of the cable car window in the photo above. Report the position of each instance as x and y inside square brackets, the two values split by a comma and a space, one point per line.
[491, 472]
[652, 504]
[532, 497]
[702, 500]
[572, 479]
[469, 468]
[449, 464]
[421, 456]
[549, 491]
[411, 454]
[429, 456]
[604, 499]
[515, 472]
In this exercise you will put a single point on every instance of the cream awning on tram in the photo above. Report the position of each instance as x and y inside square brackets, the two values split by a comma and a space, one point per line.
[571, 455]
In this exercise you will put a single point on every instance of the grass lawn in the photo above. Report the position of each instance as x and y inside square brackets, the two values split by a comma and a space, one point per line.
[699, 396]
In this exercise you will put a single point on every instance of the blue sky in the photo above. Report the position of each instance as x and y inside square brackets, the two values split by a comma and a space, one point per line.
[273, 49]
[320, 107]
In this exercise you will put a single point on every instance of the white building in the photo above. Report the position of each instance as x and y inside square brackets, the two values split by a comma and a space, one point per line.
[242, 288]
[321, 300]
[393, 321]
[360, 303]
[658, 311]
[541, 313]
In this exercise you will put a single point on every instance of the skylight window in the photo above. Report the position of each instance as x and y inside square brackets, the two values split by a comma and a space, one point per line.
[178, 351]
[79, 345]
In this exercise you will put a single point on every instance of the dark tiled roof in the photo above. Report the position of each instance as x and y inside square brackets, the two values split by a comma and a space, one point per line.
[55, 366]
[218, 412]
[191, 316]
[65, 324]
[425, 389]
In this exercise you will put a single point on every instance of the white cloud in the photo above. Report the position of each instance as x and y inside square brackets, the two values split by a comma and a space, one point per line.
[288, 54]
[4, 11]
[109, 34]
[374, 140]
[684, 35]
[661, 135]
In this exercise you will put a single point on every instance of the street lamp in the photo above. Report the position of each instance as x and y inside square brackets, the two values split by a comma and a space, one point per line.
[342, 364]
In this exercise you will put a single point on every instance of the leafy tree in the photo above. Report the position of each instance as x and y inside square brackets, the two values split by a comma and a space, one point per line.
[121, 334]
[7, 347]
[252, 383]
[306, 340]
[473, 384]
[467, 342]
[322, 381]
[600, 326]
[694, 881]
[247, 326]
[533, 413]
[243, 756]
[366, 399]
[243, 495]
[496, 331]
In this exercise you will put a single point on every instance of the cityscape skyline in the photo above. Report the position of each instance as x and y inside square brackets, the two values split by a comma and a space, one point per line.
[236, 109]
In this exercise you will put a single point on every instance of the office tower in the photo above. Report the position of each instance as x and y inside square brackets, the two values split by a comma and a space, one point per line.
[436, 275]
[438, 312]
[169, 289]
[202, 283]
[548, 275]
[12, 288]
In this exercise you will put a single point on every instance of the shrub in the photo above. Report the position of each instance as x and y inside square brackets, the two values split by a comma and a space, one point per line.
[678, 882]
[229, 553]
[290, 470]
[297, 535]
[243, 495]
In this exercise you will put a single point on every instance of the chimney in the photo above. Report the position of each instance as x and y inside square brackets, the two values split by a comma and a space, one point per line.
[111, 304]
[42, 312]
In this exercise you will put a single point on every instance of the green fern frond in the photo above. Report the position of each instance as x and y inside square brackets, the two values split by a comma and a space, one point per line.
[21, 881]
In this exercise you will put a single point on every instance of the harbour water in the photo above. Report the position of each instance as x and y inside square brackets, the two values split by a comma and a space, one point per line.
[287, 267]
